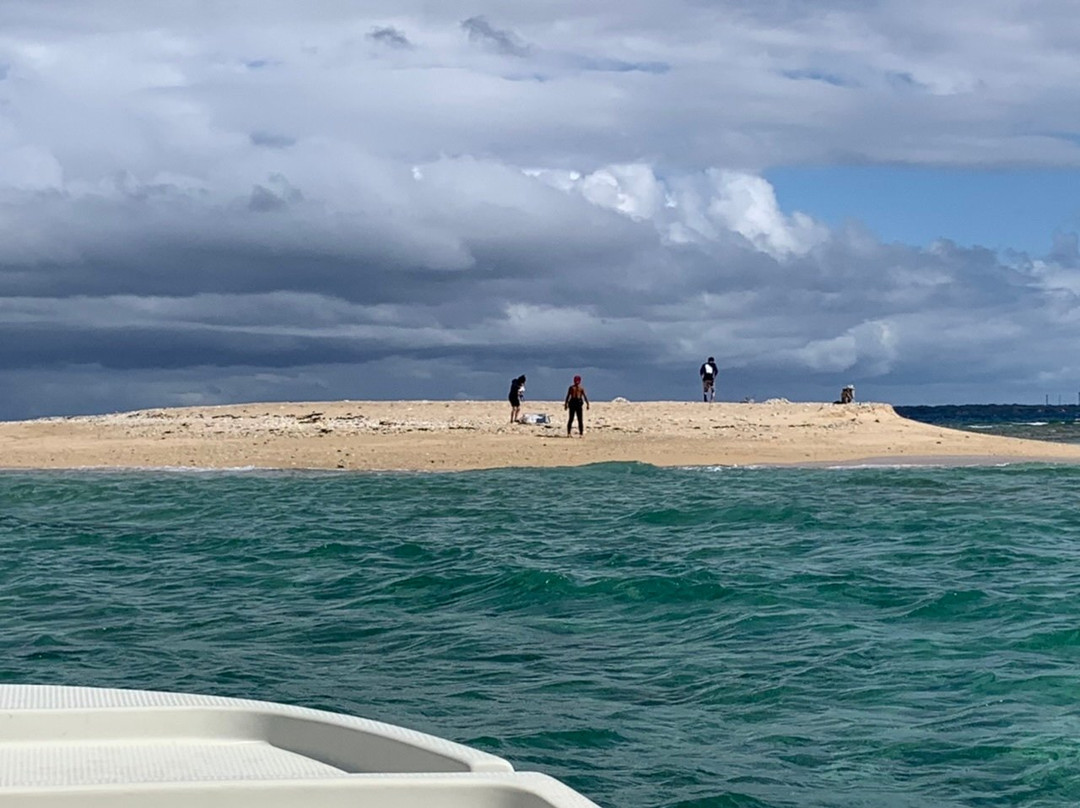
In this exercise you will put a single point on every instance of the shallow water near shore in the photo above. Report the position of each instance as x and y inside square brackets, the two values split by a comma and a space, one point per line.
[653, 637]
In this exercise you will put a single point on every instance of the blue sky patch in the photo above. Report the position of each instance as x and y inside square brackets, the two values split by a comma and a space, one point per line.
[1019, 209]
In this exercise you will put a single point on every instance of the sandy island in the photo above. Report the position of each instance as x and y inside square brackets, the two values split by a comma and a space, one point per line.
[457, 435]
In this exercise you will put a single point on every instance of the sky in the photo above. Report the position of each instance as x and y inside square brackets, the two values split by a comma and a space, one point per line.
[206, 203]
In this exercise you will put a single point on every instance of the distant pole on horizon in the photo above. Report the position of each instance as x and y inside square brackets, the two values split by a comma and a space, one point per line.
[1047, 399]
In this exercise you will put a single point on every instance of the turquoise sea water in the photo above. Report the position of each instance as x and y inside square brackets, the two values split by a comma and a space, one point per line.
[653, 637]
[1057, 423]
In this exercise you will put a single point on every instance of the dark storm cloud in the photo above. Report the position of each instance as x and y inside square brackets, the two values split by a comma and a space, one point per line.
[388, 35]
[616, 292]
[505, 42]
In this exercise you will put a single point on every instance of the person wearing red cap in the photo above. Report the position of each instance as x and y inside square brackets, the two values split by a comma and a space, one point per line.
[576, 401]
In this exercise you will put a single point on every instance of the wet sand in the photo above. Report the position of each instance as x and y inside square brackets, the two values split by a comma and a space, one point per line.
[457, 435]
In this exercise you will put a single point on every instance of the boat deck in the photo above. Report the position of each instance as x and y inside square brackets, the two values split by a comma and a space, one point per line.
[70, 746]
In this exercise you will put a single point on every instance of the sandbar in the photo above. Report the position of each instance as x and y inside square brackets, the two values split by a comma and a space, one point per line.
[461, 435]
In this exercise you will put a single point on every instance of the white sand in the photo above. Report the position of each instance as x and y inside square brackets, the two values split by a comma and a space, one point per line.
[447, 435]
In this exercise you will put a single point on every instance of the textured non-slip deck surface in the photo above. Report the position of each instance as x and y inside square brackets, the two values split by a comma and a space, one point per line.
[67, 764]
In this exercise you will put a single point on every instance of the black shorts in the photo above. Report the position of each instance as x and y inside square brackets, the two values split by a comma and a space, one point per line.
[514, 401]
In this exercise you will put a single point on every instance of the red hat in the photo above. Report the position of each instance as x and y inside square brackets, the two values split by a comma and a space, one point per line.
[577, 379]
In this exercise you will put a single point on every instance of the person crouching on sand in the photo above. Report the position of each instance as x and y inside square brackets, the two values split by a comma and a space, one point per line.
[576, 400]
[517, 392]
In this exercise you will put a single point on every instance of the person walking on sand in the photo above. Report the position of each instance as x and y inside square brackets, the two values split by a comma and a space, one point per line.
[517, 392]
[576, 400]
[708, 379]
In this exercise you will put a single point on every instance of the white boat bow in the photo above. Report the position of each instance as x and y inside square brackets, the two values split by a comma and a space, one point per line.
[89, 747]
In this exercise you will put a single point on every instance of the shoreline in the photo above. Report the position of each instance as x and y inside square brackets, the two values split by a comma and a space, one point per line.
[949, 461]
[463, 435]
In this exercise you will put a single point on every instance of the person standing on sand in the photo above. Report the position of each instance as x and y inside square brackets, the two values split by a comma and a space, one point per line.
[708, 379]
[517, 392]
[576, 400]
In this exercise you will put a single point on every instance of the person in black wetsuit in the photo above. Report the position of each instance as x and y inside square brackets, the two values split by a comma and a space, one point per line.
[517, 391]
[576, 401]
